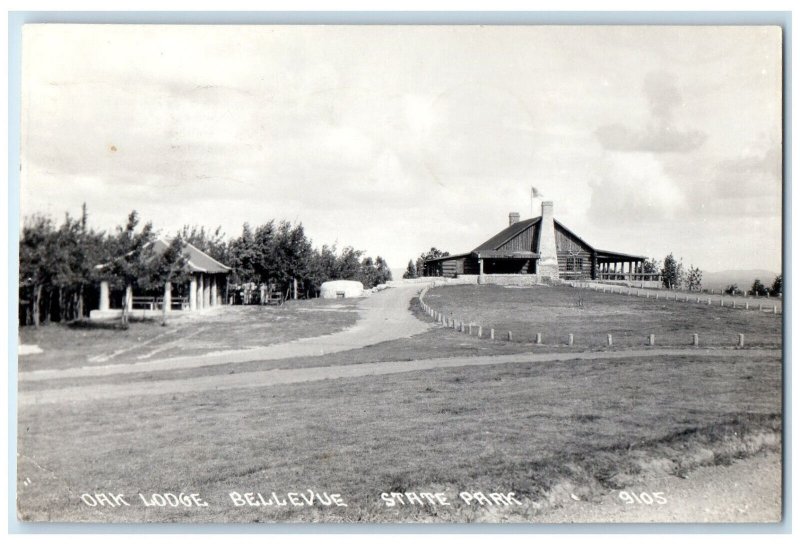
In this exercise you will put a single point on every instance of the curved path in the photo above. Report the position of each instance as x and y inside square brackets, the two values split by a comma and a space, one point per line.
[273, 377]
[384, 316]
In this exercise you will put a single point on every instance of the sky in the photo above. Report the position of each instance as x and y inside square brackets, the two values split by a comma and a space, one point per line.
[395, 139]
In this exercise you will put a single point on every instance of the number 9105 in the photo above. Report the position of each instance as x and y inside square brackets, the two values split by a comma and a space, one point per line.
[643, 498]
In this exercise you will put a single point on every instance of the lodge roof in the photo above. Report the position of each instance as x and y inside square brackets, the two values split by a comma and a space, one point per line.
[490, 248]
[506, 234]
[196, 259]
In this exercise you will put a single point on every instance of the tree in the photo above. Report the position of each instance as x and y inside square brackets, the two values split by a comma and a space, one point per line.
[35, 260]
[651, 265]
[411, 270]
[694, 279]
[384, 274]
[130, 263]
[368, 274]
[242, 256]
[733, 289]
[169, 266]
[759, 289]
[672, 273]
[777, 286]
[322, 267]
[348, 264]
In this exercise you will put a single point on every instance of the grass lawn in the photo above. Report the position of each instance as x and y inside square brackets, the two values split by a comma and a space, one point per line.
[590, 316]
[232, 327]
[538, 430]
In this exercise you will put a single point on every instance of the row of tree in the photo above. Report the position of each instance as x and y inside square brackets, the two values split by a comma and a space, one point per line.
[61, 266]
[758, 289]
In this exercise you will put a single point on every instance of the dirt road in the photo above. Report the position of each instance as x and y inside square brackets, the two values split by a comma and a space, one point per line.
[384, 316]
[260, 379]
[746, 491]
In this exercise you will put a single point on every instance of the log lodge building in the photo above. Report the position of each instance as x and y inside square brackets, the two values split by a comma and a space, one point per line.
[543, 247]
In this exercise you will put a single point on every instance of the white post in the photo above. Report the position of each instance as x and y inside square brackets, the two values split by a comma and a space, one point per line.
[213, 291]
[193, 293]
[167, 296]
[129, 297]
[104, 295]
[206, 291]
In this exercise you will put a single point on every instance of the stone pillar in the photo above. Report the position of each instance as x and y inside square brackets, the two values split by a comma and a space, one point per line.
[129, 297]
[104, 305]
[193, 293]
[214, 291]
[167, 296]
[548, 260]
[206, 291]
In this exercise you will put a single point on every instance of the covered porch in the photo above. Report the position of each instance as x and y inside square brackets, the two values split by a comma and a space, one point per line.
[623, 268]
[506, 262]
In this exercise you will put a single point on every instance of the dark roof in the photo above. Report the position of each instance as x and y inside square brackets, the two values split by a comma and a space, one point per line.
[604, 253]
[197, 260]
[490, 247]
[506, 234]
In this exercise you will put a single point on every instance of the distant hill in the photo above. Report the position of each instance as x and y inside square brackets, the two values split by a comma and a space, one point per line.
[743, 279]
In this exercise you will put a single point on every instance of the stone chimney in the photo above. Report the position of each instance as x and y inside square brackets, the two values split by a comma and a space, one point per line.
[513, 217]
[548, 259]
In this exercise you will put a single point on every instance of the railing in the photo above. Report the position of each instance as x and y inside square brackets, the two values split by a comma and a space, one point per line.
[157, 303]
[639, 277]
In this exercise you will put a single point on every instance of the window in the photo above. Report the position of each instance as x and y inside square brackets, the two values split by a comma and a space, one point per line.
[574, 263]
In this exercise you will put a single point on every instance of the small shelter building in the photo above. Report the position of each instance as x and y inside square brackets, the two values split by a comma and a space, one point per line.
[206, 288]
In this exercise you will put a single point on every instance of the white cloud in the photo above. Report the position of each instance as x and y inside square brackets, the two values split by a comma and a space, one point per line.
[395, 139]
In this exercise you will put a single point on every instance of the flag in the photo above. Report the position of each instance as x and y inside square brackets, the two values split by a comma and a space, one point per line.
[534, 192]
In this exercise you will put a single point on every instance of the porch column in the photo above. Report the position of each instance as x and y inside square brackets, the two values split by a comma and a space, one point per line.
[214, 291]
[207, 292]
[201, 288]
[167, 297]
[104, 295]
[193, 293]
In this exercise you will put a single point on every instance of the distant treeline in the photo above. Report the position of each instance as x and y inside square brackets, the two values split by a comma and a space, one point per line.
[59, 273]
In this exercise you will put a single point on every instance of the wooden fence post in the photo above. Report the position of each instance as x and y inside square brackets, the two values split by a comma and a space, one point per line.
[610, 340]
[695, 339]
[652, 339]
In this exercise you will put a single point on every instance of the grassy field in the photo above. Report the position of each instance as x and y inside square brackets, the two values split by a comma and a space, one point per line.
[555, 312]
[548, 432]
[541, 431]
[232, 327]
